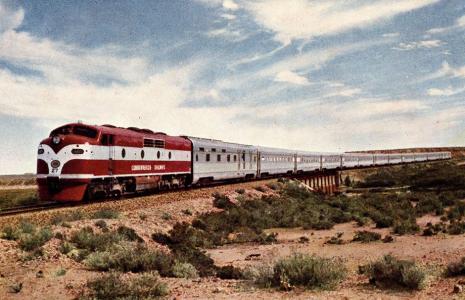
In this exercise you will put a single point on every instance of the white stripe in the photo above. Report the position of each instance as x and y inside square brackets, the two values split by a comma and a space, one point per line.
[91, 176]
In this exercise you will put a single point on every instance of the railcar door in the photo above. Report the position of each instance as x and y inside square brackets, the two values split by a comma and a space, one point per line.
[243, 160]
[108, 140]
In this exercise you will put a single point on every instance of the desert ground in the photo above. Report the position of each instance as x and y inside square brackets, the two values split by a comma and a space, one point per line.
[55, 275]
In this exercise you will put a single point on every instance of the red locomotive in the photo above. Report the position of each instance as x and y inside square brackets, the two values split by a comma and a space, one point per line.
[78, 161]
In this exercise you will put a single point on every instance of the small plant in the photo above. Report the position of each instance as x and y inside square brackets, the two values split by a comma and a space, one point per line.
[336, 239]
[240, 191]
[64, 218]
[229, 272]
[101, 224]
[60, 272]
[187, 212]
[222, 201]
[129, 257]
[35, 240]
[308, 271]
[406, 227]
[112, 286]
[274, 186]
[129, 234]
[388, 239]
[366, 236]
[303, 239]
[66, 247]
[390, 272]
[456, 268]
[16, 287]
[106, 213]
[260, 188]
[10, 233]
[166, 216]
[184, 270]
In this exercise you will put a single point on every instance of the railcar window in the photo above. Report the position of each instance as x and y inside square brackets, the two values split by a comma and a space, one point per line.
[196, 157]
[123, 153]
[85, 131]
[228, 158]
[202, 149]
[213, 149]
[207, 157]
[223, 150]
[61, 130]
[218, 157]
[235, 158]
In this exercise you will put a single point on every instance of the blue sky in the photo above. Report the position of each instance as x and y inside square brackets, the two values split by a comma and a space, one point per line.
[313, 75]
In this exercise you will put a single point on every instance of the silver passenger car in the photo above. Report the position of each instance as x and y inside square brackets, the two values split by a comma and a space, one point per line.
[276, 161]
[214, 160]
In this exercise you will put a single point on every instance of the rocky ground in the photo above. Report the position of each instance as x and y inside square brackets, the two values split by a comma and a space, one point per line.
[56, 276]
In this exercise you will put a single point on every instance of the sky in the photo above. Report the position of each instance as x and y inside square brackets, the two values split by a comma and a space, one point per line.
[312, 75]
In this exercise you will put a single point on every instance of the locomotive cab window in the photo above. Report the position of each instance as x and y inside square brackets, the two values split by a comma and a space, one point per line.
[85, 131]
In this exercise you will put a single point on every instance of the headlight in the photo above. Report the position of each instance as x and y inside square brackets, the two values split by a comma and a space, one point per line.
[56, 139]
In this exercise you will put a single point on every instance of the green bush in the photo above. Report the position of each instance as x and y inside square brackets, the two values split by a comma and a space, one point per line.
[221, 201]
[112, 286]
[300, 270]
[229, 272]
[129, 234]
[101, 224]
[391, 272]
[128, 257]
[408, 226]
[63, 218]
[366, 236]
[35, 240]
[336, 239]
[184, 270]
[105, 213]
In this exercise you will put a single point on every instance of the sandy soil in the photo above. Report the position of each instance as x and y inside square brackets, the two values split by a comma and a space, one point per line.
[432, 252]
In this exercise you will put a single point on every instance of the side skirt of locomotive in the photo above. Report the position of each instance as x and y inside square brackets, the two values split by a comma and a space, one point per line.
[118, 186]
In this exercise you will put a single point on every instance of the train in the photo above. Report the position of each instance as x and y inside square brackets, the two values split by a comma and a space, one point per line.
[79, 162]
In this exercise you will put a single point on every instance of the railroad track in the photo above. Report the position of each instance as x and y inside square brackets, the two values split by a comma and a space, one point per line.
[29, 208]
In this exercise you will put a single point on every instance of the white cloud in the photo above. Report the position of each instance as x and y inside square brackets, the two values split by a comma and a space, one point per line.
[444, 92]
[459, 24]
[9, 19]
[230, 5]
[391, 35]
[291, 77]
[302, 19]
[228, 16]
[447, 71]
[425, 44]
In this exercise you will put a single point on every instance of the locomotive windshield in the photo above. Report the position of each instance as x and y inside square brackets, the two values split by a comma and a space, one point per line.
[77, 130]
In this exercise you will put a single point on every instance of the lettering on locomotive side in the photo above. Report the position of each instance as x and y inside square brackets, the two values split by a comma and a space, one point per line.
[141, 167]
[159, 167]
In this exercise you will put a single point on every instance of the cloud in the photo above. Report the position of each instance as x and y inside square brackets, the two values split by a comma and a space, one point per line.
[230, 5]
[447, 71]
[291, 77]
[444, 92]
[10, 19]
[302, 19]
[391, 35]
[425, 44]
[458, 24]
[228, 16]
